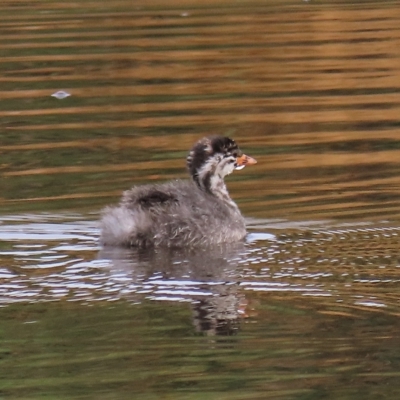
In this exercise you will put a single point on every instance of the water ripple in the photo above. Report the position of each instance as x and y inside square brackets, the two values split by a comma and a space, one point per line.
[56, 257]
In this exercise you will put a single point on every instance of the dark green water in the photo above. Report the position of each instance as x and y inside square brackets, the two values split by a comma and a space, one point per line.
[308, 307]
[151, 351]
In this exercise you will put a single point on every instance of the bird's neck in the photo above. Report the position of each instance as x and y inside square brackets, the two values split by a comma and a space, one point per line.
[214, 184]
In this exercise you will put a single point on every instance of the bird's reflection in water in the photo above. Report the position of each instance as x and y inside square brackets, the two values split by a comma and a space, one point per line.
[208, 278]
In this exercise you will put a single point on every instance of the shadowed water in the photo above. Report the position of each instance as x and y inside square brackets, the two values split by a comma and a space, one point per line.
[98, 96]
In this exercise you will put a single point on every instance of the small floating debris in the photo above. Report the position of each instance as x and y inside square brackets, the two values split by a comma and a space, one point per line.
[185, 14]
[61, 94]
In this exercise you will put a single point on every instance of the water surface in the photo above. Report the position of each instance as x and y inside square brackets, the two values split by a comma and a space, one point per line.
[308, 307]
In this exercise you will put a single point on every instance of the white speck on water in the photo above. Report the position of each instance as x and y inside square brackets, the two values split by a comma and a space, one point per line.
[61, 94]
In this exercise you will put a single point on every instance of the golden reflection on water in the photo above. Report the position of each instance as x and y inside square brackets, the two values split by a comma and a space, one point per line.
[311, 90]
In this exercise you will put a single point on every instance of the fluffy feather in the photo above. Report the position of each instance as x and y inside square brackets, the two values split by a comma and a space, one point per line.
[181, 213]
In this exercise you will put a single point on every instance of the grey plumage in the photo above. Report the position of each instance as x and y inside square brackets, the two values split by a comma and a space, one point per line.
[198, 212]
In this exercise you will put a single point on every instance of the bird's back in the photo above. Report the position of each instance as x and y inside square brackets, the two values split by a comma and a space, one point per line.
[173, 214]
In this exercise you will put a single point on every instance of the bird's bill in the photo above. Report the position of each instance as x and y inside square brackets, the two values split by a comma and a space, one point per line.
[244, 160]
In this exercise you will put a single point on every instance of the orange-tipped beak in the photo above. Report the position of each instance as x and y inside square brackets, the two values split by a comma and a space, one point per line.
[244, 160]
